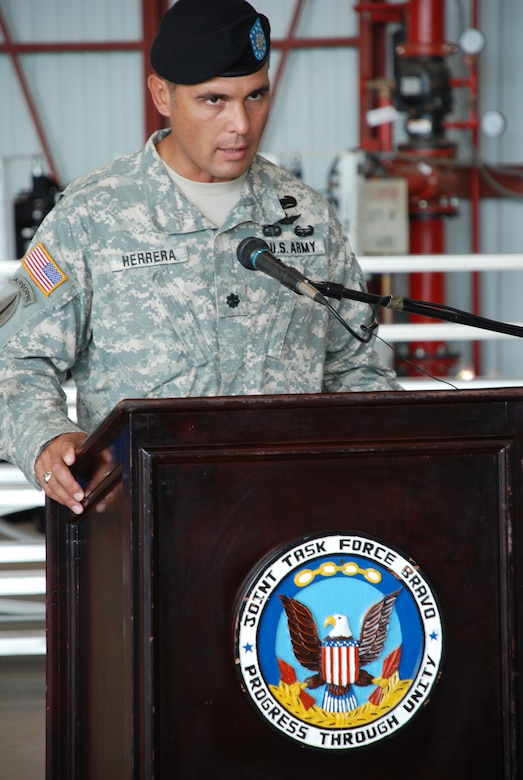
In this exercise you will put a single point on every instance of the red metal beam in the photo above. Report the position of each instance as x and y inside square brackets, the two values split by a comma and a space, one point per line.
[53, 47]
[315, 43]
[77, 46]
[382, 13]
[11, 49]
[152, 12]
[285, 45]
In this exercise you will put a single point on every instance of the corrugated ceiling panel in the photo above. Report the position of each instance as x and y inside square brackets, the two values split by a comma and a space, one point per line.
[73, 20]
[86, 123]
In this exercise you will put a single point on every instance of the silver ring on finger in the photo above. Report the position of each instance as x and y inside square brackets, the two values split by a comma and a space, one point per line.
[47, 476]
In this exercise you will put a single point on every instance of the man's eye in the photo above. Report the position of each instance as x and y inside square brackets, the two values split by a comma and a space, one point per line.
[259, 94]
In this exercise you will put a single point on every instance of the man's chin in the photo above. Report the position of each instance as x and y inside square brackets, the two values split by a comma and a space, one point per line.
[229, 171]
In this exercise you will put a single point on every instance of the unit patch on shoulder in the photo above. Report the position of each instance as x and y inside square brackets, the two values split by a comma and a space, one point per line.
[338, 641]
[25, 289]
[8, 306]
[43, 270]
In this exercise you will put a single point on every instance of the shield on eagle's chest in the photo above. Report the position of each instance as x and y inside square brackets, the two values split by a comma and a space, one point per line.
[340, 661]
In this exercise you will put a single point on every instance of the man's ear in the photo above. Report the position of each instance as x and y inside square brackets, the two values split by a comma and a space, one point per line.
[160, 93]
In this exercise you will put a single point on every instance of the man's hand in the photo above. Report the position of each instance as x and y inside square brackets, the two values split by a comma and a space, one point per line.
[56, 460]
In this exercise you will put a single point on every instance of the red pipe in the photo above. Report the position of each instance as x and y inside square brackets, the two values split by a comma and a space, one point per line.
[425, 37]
[374, 16]
[426, 22]
[427, 237]
[475, 194]
[385, 130]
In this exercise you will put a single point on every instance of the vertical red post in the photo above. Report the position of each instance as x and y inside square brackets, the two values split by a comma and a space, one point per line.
[426, 39]
[152, 12]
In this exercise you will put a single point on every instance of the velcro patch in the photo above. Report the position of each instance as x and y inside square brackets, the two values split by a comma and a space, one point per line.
[43, 270]
[297, 246]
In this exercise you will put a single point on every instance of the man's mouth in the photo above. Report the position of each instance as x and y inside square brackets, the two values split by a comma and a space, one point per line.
[234, 152]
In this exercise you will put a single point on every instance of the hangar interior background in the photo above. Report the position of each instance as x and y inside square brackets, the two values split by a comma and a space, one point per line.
[73, 95]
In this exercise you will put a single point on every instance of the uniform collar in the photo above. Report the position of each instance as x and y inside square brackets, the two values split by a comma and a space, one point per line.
[171, 212]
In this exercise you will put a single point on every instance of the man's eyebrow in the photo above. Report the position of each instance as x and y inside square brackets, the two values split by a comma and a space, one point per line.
[264, 88]
[211, 93]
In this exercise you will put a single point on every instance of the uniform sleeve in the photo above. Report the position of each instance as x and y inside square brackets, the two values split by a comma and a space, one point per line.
[41, 331]
[351, 365]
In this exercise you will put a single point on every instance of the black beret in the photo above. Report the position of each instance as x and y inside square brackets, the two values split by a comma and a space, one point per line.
[200, 39]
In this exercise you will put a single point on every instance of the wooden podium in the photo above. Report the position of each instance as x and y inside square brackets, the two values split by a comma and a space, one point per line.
[144, 597]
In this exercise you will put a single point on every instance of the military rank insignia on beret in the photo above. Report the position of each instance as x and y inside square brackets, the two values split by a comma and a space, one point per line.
[258, 41]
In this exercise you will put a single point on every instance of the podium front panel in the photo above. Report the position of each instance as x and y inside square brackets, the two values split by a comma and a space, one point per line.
[212, 490]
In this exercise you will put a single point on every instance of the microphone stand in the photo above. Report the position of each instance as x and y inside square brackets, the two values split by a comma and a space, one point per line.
[425, 308]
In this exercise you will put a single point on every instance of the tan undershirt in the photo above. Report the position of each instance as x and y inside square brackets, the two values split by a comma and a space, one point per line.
[213, 199]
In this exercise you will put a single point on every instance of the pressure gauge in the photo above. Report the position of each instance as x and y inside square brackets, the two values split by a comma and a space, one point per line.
[493, 124]
[472, 41]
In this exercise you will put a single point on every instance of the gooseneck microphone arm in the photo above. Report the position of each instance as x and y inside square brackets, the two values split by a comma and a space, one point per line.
[254, 254]
[437, 311]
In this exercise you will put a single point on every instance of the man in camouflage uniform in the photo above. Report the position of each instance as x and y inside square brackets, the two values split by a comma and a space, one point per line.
[132, 282]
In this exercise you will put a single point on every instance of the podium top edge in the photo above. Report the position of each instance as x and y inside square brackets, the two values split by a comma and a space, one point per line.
[131, 406]
[138, 414]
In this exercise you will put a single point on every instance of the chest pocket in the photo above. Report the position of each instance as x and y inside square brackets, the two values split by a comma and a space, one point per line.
[182, 318]
[293, 310]
[284, 309]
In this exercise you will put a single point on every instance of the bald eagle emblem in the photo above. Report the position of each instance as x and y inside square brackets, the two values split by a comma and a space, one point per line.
[338, 659]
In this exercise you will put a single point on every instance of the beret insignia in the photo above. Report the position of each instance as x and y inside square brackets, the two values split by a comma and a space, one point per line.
[258, 40]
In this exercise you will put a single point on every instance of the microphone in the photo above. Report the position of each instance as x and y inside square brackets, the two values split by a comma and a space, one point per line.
[254, 254]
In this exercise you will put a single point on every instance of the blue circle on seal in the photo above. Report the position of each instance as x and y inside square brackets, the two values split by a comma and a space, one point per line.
[339, 638]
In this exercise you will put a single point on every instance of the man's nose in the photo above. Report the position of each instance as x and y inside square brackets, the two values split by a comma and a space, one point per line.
[238, 118]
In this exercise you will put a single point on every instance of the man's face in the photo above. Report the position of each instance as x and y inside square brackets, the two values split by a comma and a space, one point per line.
[216, 125]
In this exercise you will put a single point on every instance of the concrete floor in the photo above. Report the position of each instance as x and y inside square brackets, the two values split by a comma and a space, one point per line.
[22, 718]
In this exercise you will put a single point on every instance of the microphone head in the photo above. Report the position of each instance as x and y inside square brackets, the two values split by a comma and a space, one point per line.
[246, 250]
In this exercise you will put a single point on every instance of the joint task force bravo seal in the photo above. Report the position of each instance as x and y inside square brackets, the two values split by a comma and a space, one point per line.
[338, 641]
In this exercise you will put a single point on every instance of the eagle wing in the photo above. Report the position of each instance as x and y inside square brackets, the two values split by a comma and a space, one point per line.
[374, 628]
[305, 640]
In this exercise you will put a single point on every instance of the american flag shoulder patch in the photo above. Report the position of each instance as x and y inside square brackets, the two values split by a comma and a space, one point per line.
[43, 270]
